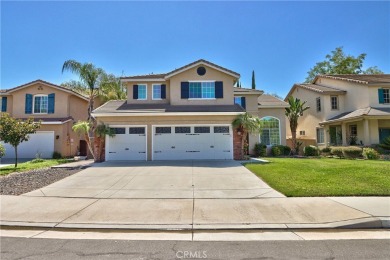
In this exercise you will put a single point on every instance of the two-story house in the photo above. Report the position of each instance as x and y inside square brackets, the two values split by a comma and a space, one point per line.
[57, 108]
[344, 109]
[183, 114]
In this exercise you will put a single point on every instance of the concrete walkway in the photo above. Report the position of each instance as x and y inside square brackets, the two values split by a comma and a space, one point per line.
[161, 180]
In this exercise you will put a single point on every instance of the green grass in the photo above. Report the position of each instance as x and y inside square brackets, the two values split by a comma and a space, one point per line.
[31, 165]
[325, 177]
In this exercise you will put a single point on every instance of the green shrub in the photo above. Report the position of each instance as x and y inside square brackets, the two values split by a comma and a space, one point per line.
[338, 151]
[2, 150]
[370, 154]
[352, 152]
[260, 150]
[326, 150]
[275, 150]
[310, 151]
[37, 160]
[56, 155]
[385, 143]
[284, 149]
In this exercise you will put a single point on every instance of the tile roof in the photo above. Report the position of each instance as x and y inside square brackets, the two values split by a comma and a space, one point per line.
[120, 106]
[50, 119]
[163, 75]
[367, 111]
[266, 100]
[319, 88]
[47, 83]
[359, 78]
[247, 91]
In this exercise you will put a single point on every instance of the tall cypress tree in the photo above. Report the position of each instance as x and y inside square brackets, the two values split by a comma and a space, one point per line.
[253, 80]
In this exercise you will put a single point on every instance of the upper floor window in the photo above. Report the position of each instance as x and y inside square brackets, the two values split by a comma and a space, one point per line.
[270, 131]
[318, 104]
[384, 95]
[205, 90]
[156, 91]
[142, 92]
[40, 104]
[334, 102]
[240, 101]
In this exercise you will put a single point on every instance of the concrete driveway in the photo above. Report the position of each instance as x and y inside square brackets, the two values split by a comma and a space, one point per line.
[161, 180]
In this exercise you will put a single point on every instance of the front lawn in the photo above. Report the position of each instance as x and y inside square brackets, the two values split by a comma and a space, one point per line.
[31, 165]
[295, 177]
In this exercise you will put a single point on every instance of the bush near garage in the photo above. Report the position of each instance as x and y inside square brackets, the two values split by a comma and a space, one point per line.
[57, 155]
[370, 154]
[276, 151]
[310, 150]
[260, 150]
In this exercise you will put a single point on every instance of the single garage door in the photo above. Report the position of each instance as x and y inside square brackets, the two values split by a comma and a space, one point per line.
[39, 144]
[187, 142]
[129, 143]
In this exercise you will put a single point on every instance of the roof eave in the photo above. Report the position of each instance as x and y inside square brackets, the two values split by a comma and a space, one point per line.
[166, 114]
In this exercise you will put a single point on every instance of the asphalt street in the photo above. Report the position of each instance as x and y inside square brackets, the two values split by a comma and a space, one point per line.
[34, 248]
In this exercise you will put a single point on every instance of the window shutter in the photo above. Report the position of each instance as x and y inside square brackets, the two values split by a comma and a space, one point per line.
[243, 102]
[185, 90]
[51, 103]
[3, 104]
[28, 104]
[218, 89]
[381, 96]
[135, 91]
[163, 91]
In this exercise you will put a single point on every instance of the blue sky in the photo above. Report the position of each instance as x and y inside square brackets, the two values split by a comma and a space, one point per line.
[281, 41]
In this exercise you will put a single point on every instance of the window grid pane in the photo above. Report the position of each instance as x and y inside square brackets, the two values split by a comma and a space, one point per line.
[195, 90]
[320, 135]
[40, 104]
[156, 91]
[386, 96]
[141, 91]
[270, 131]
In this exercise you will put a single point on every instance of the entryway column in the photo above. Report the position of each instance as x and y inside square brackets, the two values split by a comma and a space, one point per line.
[366, 132]
[344, 133]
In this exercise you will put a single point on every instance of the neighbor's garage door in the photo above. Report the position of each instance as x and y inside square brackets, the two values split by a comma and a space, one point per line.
[40, 144]
[192, 142]
[129, 143]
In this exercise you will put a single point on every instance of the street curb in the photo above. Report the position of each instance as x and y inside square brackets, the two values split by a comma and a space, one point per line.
[364, 223]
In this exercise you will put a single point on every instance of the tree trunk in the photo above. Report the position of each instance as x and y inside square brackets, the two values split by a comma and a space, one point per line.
[16, 156]
[294, 142]
[243, 139]
[89, 145]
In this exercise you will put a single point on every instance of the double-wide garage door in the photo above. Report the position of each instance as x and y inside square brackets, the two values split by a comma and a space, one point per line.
[181, 142]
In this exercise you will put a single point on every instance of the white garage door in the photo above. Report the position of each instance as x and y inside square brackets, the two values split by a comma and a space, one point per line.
[129, 143]
[187, 142]
[40, 144]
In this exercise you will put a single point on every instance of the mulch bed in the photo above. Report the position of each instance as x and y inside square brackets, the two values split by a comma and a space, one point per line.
[22, 182]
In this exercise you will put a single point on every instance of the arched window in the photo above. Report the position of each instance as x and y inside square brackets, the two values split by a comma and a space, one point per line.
[270, 131]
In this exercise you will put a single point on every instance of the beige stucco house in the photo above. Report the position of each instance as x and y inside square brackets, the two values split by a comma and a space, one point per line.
[57, 108]
[344, 109]
[183, 114]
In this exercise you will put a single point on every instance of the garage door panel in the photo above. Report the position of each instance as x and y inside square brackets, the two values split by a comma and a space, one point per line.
[129, 143]
[39, 144]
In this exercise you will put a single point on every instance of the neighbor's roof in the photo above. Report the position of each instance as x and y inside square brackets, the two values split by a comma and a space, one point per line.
[45, 83]
[359, 78]
[316, 88]
[120, 106]
[50, 119]
[164, 76]
[368, 111]
[247, 91]
[270, 101]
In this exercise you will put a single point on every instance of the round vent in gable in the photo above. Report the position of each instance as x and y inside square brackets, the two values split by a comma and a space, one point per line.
[201, 71]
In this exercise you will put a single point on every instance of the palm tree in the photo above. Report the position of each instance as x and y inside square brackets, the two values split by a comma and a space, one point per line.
[83, 128]
[246, 124]
[111, 88]
[90, 77]
[296, 109]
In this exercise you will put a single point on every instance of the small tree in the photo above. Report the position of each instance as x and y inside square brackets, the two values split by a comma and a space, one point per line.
[296, 109]
[253, 80]
[2, 150]
[246, 124]
[83, 128]
[15, 131]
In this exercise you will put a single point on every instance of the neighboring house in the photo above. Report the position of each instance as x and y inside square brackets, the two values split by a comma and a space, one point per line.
[183, 114]
[344, 109]
[270, 110]
[57, 108]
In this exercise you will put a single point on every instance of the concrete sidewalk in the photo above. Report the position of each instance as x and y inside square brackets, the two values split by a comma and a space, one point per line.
[196, 214]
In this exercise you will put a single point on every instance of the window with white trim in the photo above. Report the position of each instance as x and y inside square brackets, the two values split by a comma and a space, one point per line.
[142, 92]
[202, 90]
[386, 95]
[156, 91]
[40, 104]
[270, 131]
[334, 102]
[320, 135]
